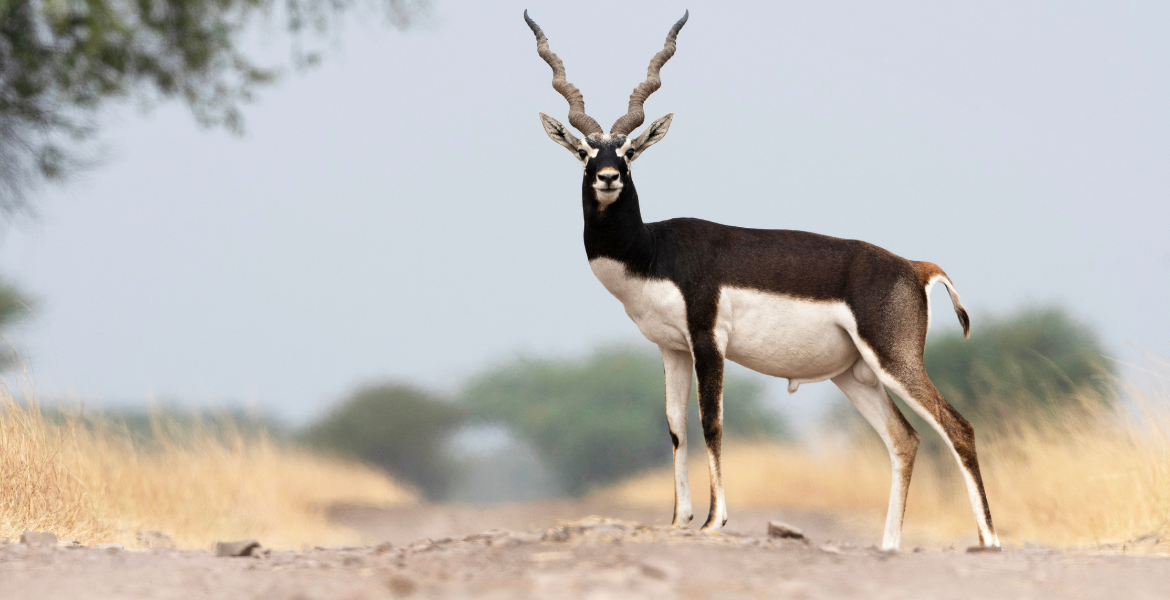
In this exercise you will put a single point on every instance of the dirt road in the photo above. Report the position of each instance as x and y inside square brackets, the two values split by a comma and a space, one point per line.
[444, 552]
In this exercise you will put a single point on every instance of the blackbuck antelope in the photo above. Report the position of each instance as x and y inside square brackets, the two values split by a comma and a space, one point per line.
[791, 304]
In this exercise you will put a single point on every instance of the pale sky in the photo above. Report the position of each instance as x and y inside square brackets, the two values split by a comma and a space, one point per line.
[398, 212]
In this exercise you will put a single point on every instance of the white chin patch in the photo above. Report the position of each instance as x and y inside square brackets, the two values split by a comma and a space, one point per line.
[607, 197]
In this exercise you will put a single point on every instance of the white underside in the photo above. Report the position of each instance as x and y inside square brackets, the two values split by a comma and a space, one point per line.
[801, 340]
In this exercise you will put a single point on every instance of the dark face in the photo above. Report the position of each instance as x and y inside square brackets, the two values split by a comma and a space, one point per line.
[607, 161]
[606, 157]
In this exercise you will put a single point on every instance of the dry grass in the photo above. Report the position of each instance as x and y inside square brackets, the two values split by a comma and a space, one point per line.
[1085, 480]
[95, 484]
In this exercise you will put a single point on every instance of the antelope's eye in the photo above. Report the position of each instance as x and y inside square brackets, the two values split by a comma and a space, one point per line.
[581, 153]
[630, 153]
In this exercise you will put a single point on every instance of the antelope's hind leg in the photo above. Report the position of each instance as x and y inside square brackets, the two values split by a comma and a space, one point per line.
[679, 370]
[863, 389]
[908, 379]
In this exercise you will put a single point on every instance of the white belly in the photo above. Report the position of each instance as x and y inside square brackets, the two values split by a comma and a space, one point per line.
[801, 340]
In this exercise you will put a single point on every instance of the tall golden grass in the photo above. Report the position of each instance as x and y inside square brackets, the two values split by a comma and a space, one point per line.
[1088, 478]
[96, 484]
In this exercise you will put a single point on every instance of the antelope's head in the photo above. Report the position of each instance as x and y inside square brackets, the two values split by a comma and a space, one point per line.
[606, 156]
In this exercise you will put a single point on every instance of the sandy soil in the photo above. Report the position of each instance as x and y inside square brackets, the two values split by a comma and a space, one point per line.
[531, 551]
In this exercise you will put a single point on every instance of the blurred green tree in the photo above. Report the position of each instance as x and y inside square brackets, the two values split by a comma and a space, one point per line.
[602, 418]
[398, 427]
[14, 305]
[1037, 359]
[62, 60]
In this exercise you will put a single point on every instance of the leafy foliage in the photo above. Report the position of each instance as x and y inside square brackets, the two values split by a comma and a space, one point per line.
[398, 427]
[14, 305]
[61, 60]
[602, 418]
[1037, 359]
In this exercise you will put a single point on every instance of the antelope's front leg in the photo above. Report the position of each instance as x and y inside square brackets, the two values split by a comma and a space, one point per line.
[709, 368]
[679, 368]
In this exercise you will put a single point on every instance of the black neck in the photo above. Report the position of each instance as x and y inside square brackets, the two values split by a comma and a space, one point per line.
[617, 232]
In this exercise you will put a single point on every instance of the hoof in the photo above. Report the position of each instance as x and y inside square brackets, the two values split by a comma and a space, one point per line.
[713, 527]
[980, 549]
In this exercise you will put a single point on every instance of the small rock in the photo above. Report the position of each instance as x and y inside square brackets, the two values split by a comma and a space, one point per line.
[240, 548]
[382, 548]
[400, 586]
[69, 543]
[830, 549]
[111, 548]
[517, 538]
[155, 539]
[421, 545]
[556, 534]
[919, 549]
[784, 530]
[38, 538]
[652, 571]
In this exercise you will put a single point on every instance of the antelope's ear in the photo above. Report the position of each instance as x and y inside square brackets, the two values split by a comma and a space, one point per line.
[559, 133]
[656, 131]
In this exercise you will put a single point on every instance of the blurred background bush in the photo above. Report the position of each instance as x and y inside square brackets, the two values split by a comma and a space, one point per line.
[1036, 360]
[398, 427]
[14, 305]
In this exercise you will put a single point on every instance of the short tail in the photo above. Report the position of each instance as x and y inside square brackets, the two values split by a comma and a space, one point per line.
[928, 273]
